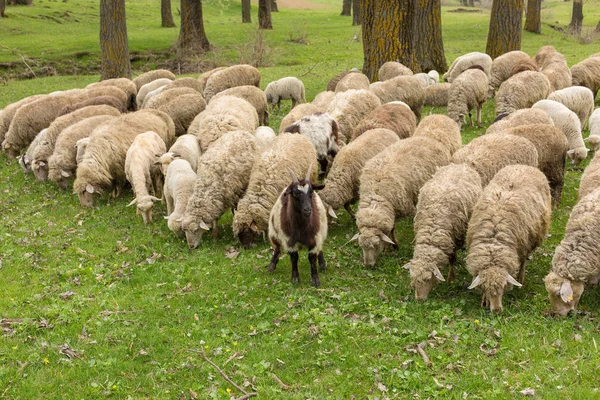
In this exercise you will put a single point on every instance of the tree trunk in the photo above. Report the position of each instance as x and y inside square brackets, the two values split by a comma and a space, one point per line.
[505, 27]
[346, 8]
[264, 14]
[576, 17]
[471, 3]
[274, 7]
[2, 7]
[166, 14]
[598, 27]
[429, 46]
[533, 22]
[246, 16]
[192, 37]
[356, 19]
[113, 40]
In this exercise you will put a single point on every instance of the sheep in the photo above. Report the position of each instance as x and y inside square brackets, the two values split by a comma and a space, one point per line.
[594, 142]
[389, 187]
[348, 109]
[141, 172]
[225, 114]
[178, 187]
[510, 219]
[544, 54]
[205, 75]
[425, 79]
[191, 83]
[468, 91]
[223, 176]
[503, 65]
[185, 147]
[297, 113]
[183, 109]
[298, 219]
[392, 69]
[63, 161]
[45, 148]
[488, 154]
[396, 117]
[166, 96]
[524, 116]
[8, 113]
[285, 89]
[442, 129]
[590, 180]
[576, 260]
[440, 225]
[103, 165]
[153, 94]
[26, 159]
[587, 73]
[126, 85]
[97, 101]
[355, 81]
[437, 94]
[252, 95]
[108, 90]
[149, 87]
[464, 62]
[81, 147]
[567, 121]
[342, 183]
[433, 74]
[264, 136]
[237, 75]
[323, 100]
[267, 179]
[334, 81]
[594, 123]
[403, 88]
[521, 91]
[578, 99]
[150, 76]
[554, 65]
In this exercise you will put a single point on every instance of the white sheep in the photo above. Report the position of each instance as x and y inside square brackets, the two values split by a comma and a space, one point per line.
[178, 187]
[469, 90]
[186, 147]
[425, 79]
[349, 108]
[236, 75]
[594, 138]
[402, 88]
[524, 116]
[392, 69]
[149, 87]
[578, 99]
[288, 88]
[521, 91]
[462, 63]
[264, 136]
[81, 146]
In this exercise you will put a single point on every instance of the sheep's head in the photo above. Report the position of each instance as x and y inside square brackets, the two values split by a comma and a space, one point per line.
[63, 179]
[372, 242]
[40, 170]
[594, 142]
[88, 195]
[164, 161]
[144, 206]
[494, 282]
[564, 293]
[25, 163]
[577, 155]
[10, 151]
[193, 231]
[423, 277]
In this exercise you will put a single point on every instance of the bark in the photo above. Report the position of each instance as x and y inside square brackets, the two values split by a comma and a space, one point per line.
[246, 16]
[2, 7]
[471, 3]
[505, 27]
[192, 37]
[576, 17]
[113, 40]
[598, 27]
[429, 46]
[533, 22]
[356, 19]
[166, 14]
[274, 7]
[346, 8]
[20, 2]
[264, 14]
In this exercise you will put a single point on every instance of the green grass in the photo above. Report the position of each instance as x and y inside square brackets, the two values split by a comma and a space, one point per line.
[143, 303]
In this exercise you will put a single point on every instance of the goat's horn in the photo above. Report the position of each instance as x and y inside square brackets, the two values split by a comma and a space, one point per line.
[294, 178]
[308, 172]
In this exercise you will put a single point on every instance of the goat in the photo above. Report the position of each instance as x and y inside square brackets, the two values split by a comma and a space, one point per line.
[297, 219]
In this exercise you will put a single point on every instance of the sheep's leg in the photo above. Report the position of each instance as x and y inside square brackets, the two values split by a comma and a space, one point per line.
[312, 258]
[483, 300]
[349, 209]
[451, 270]
[323, 164]
[215, 230]
[479, 106]
[275, 258]
[393, 234]
[521, 277]
[295, 274]
[322, 262]
[471, 119]
[294, 103]
[170, 204]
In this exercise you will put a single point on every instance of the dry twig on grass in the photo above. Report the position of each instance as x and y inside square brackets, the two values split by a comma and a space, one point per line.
[224, 375]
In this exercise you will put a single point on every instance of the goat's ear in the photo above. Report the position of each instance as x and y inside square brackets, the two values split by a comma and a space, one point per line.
[566, 292]
[335, 129]
[511, 280]
[438, 275]
[294, 128]
[475, 282]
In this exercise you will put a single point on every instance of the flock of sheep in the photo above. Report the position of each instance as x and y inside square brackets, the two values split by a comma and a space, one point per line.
[204, 147]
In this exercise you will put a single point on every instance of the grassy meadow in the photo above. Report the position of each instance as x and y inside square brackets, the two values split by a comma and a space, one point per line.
[93, 304]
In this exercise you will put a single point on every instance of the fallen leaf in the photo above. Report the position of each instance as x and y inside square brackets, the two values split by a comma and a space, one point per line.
[66, 350]
[66, 295]
[528, 392]
[578, 337]
[231, 252]
[193, 394]
[382, 387]
[151, 260]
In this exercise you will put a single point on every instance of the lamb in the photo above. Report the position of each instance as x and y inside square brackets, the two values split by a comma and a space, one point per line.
[26, 159]
[521, 91]
[348, 109]
[392, 69]
[389, 187]
[355, 81]
[179, 186]
[578, 99]
[441, 128]
[524, 116]
[285, 89]
[223, 176]
[323, 100]
[97, 101]
[252, 95]
[467, 61]
[267, 179]
[183, 109]
[63, 161]
[298, 219]
[149, 87]
[554, 65]
[468, 91]
[126, 85]
[237, 75]
[150, 76]
[489, 154]
[502, 67]
[576, 260]
[264, 136]
[437, 94]
[396, 117]
[144, 176]
[567, 121]
[590, 180]
[342, 183]
[167, 96]
[510, 219]
[403, 88]
[297, 113]
[103, 165]
[587, 73]
[8, 113]
[185, 147]
[443, 212]
[205, 75]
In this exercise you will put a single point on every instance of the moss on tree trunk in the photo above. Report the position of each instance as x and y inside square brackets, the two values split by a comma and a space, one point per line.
[533, 22]
[113, 40]
[505, 27]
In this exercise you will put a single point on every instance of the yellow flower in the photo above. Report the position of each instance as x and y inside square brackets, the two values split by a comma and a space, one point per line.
[235, 343]
[206, 347]
[46, 361]
[476, 321]
[114, 386]
[228, 390]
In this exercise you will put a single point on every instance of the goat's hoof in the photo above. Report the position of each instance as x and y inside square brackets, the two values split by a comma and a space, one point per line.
[271, 268]
[316, 283]
[323, 267]
[295, 279]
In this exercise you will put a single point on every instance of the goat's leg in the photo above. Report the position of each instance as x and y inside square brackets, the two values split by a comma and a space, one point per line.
[275, 258]
[295, 274]
[322, 262]
[312, 258]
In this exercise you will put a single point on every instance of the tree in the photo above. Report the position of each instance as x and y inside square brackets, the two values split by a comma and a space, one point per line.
[2, 7]
[246, 16]
[576, 17]
[166, 14]
[356, 20]
[274, 7]
[505, 27]
[346, 8]
[597, 30]
[192, 37]
[533, 22]
[264, 14]
[113, 40]
[429, 46]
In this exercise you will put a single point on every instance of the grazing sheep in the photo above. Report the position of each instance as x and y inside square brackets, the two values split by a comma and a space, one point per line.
[205, 75]
[97, 101]
[349, 108]
[297, 113]
[342, 183]
[443, 211]
[63, 161]
[8, 113]
[191, 83]
[26, 159]
[578, 99]
[185, 147]
[237, 75]
[554, 65]
[334, 81]
[441, 128]
[152, 76]
[109, 90]
[264, 136]
[509, 221]
[437, 94]
[593, 141]
[567, 121]
[488, 154]
[153, 94]
[223, 176]
[252, 95]
[126, 85]
[389, 188]
[323, 100]
[576, 260]
[433, 74]
[149, 87]
[468, 91]
[179, 186]
[393, 116]
[392, 69]
[425, 79]
[590, 180]
[587, 73]
[464, 62]
[183, 109]
[288, 88]
[502, 68]
[522, 90]
[268, 178]
[524, 116]
[298, 219]
[402, 88]
[81, 147]
[594, 138]
[544, 54]
[142, 173]
[355, 81]
[166, 96]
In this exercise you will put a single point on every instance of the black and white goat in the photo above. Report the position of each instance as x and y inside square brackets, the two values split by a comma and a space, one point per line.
[299, 219]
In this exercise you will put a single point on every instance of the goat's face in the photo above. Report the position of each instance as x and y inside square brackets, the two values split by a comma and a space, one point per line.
[302, 193]
[564, 294]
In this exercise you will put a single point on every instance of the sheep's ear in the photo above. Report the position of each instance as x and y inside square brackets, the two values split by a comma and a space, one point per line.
[511, 280]
[65, 174]
[89, 188]
[408, 265]
[335, 129]
[475, 282]
[175, 155]
[42, 164]
[355, 237]
[132, 202]
[180, 219]
[587, 139]
[570, 153]
[203, 225]
[438, 275]
[386, 239]
[154, 198]
[165, 216]
[157, 162]
[253, 226]
[566, 292]
[331, 212]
